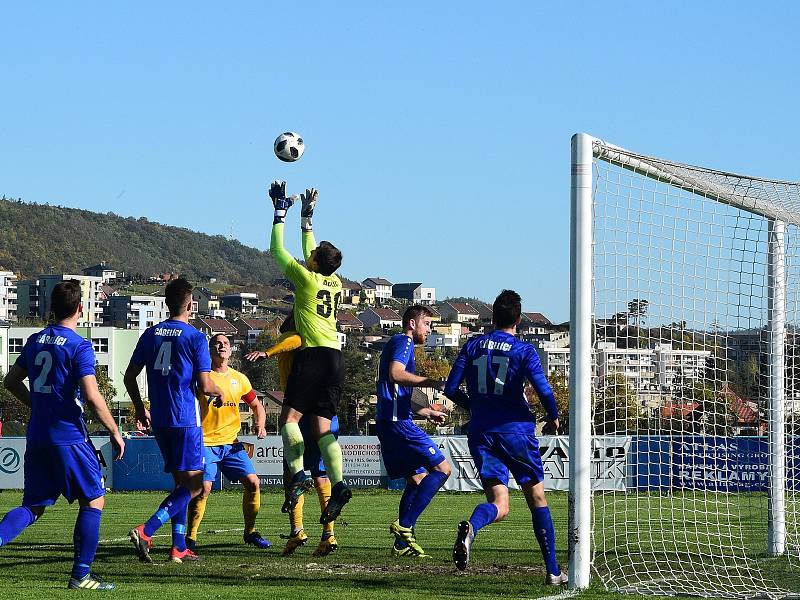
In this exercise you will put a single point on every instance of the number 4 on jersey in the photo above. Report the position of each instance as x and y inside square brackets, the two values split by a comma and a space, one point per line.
[164, 358]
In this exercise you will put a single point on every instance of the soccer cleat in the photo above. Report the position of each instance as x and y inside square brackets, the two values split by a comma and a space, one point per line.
[301, 483]
[326, 546]
[405, 541]
[181, 556]
[340, 495]
[255, 539]
[293, 542]
[143, 543]
[90, 582]
[560, 579]
[461, 548]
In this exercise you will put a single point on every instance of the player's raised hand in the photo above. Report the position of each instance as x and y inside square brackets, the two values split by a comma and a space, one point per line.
[309, 200]
[277, 190]
[255, 356]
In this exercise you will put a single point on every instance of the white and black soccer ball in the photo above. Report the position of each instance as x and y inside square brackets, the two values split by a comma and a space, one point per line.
[289, 146]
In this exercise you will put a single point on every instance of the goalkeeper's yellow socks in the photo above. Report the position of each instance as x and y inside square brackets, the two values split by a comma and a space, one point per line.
[296, 515]
[196, 510]
[324, 494]
[331, 453]
[293, 447]
[251, 504]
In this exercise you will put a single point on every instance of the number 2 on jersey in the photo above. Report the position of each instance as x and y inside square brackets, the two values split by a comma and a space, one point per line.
[164, 358]
[482, 363]
[45, 360]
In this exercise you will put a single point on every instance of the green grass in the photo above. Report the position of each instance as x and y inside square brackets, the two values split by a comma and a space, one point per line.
[505, 563]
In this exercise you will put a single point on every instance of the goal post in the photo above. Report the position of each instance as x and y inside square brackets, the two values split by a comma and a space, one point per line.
[685, 340]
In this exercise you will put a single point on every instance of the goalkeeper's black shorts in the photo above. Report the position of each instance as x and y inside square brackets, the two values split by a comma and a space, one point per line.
[315, 382]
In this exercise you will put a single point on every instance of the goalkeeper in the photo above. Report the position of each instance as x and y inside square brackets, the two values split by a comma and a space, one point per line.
[284, 348]
[315, 383]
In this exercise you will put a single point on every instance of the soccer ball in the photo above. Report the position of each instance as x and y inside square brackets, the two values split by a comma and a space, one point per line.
[289, 147]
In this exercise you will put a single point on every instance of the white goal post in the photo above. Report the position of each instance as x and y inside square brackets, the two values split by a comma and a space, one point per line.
[685, 339]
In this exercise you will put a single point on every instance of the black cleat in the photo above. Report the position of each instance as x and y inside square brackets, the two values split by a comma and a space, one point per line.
[461, 548]
[301, 483]
[340, 495]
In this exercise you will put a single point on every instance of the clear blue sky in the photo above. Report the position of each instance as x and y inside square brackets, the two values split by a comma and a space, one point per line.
[438, 133]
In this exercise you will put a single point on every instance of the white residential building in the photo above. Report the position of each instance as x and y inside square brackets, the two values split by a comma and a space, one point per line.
[243, 302]
[414, 292]
[33, 297]
[136, 312]
[382, 288]
[101, 270]
[442, 340]
[8, 296]
[385, 317]
[676, 366]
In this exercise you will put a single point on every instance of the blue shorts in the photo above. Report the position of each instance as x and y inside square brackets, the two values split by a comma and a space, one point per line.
[231, 459]
[70, 471]
[312, 458]
[406, 449]
[181, 448]
[495, 454]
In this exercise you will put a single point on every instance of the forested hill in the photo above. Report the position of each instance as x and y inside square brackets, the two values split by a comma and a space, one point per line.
[38, 238]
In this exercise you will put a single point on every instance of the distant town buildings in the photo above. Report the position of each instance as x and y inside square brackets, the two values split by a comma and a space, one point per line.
[8, 296]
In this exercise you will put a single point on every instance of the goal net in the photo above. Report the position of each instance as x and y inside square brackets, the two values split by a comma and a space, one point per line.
[695, 358]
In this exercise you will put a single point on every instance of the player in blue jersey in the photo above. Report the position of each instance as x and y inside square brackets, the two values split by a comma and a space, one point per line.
[407, 450]
[59, 458]
[502, 429]
[178, 362]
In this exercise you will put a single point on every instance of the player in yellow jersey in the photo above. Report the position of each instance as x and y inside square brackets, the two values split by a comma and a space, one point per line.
[315, 382]
[223, 451]
[283, 349]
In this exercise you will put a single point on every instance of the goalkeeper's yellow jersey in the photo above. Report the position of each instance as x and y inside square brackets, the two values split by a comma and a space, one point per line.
[220, 417]
[316, 296]
[284, 348]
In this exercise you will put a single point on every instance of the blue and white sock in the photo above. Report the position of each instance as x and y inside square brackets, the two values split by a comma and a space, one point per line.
[546, 536]
[176, 502]
[179, 531]
[483, 515]
[86, 537]
[14, 523]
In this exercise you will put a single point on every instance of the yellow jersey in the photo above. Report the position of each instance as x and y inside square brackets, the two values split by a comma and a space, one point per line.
[220, 417]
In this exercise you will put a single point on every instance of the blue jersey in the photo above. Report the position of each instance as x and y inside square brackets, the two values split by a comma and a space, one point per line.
[495, 367]
[394, 401]
[173, 353]
[56, 359]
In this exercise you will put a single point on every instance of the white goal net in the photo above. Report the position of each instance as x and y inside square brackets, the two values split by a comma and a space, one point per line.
[695, 358]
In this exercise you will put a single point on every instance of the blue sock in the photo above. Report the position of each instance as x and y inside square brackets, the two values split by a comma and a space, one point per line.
[483, 515]
[85, 538]
[171, 506]
[546, 536]
[406, 501]
[14, 523]
[179, 531]
[426, 490]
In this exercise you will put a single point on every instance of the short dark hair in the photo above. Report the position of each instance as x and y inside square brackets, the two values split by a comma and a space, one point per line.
[215, 336]
[328, 258]
[288, 323]
[177, 295]
[65, 298]
[413, 313]
[506, 309]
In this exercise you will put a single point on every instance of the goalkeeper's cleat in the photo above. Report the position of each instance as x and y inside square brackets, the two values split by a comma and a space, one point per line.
[406, 542]
[181, 556]
[326, 546]
[89, 582]
[560, 579]
[255, 539]
[293, 542]
[464, 539]
[191, 544]
[142, 542]
[340, 495]
[301, 483]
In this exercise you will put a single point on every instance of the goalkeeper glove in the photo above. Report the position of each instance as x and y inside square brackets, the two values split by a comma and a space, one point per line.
[309, 200]
[277, 192]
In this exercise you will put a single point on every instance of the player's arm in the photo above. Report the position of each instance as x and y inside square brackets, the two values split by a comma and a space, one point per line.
[309, 200]
[260, 414]
[14, 382]
[399, 375]
[286, 343]
[294, 272]
[90, 393]
[452, 387]
[132, 387]
[535, 374]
